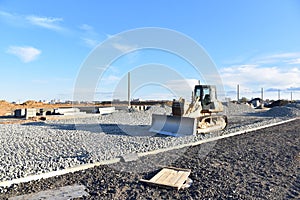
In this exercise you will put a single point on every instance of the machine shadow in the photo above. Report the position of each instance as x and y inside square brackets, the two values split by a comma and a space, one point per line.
[109, 129]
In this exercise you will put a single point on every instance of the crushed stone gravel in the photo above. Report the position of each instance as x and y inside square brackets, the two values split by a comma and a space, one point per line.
[40, 147]
[263, 164]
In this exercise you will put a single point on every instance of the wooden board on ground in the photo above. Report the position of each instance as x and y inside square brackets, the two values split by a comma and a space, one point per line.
[170, 177]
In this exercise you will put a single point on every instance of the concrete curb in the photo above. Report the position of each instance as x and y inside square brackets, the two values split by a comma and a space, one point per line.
[213, 139]
[57, 173]
[115, 160]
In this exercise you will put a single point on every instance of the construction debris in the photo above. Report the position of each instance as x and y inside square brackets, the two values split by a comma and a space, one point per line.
[25, 112]
[106, 110]
[171, 177]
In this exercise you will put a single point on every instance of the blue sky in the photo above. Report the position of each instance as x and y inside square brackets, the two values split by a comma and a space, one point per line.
[44, 43]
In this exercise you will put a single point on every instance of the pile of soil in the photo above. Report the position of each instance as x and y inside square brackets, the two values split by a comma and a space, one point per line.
[281, 111]
[32, 103]
[264, 164]
[7, 108]
[277, 103]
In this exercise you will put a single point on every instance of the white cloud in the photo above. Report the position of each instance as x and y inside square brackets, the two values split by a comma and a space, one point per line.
[39, 81]
[272, 72]
[88, 28]
[8, 16]
[5, 14]
[155, 96]
[89, 36]
[285, 55]
[90, 42]
[12, 19]
[112, 78]
[60, 79]
[120, 43]
[124, 47]
[289, 58]
[109, 80]
[182, 85]
[51, 23]
[252, 76]
[109, 36]
[45, 22]
[294, 61]
[182, 88]
[25, 53]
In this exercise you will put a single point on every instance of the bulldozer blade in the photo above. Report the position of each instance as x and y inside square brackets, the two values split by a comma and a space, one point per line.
[173, 125]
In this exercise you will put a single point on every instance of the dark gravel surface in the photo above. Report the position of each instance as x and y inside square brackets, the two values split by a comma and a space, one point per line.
[264, 164]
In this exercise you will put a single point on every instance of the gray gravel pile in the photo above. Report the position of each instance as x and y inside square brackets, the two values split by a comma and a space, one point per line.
[236, 109]
[294, 105]
[36, 148]
[282, 111]
[160, 110]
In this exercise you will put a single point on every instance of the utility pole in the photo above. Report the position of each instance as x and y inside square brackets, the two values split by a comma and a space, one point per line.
[238, 93]
[128, 92]
[262, 97]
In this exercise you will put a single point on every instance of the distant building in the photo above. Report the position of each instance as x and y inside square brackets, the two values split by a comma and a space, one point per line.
[137, 100]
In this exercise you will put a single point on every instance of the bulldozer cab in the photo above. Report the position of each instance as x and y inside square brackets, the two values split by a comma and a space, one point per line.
[207, 96]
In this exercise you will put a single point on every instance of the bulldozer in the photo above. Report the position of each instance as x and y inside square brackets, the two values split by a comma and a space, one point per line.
[191, 118]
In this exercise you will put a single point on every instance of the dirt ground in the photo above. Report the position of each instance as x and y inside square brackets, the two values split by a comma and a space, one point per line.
[8, 108]
[264, 164]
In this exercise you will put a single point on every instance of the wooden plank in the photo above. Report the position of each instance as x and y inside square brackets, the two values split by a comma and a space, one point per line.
[170, 179]
[157, 176]
[163, 179]
[176, 168]
[156, 184]
[170, 176]
[176, 179]
[182, 178]
[147, 181]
